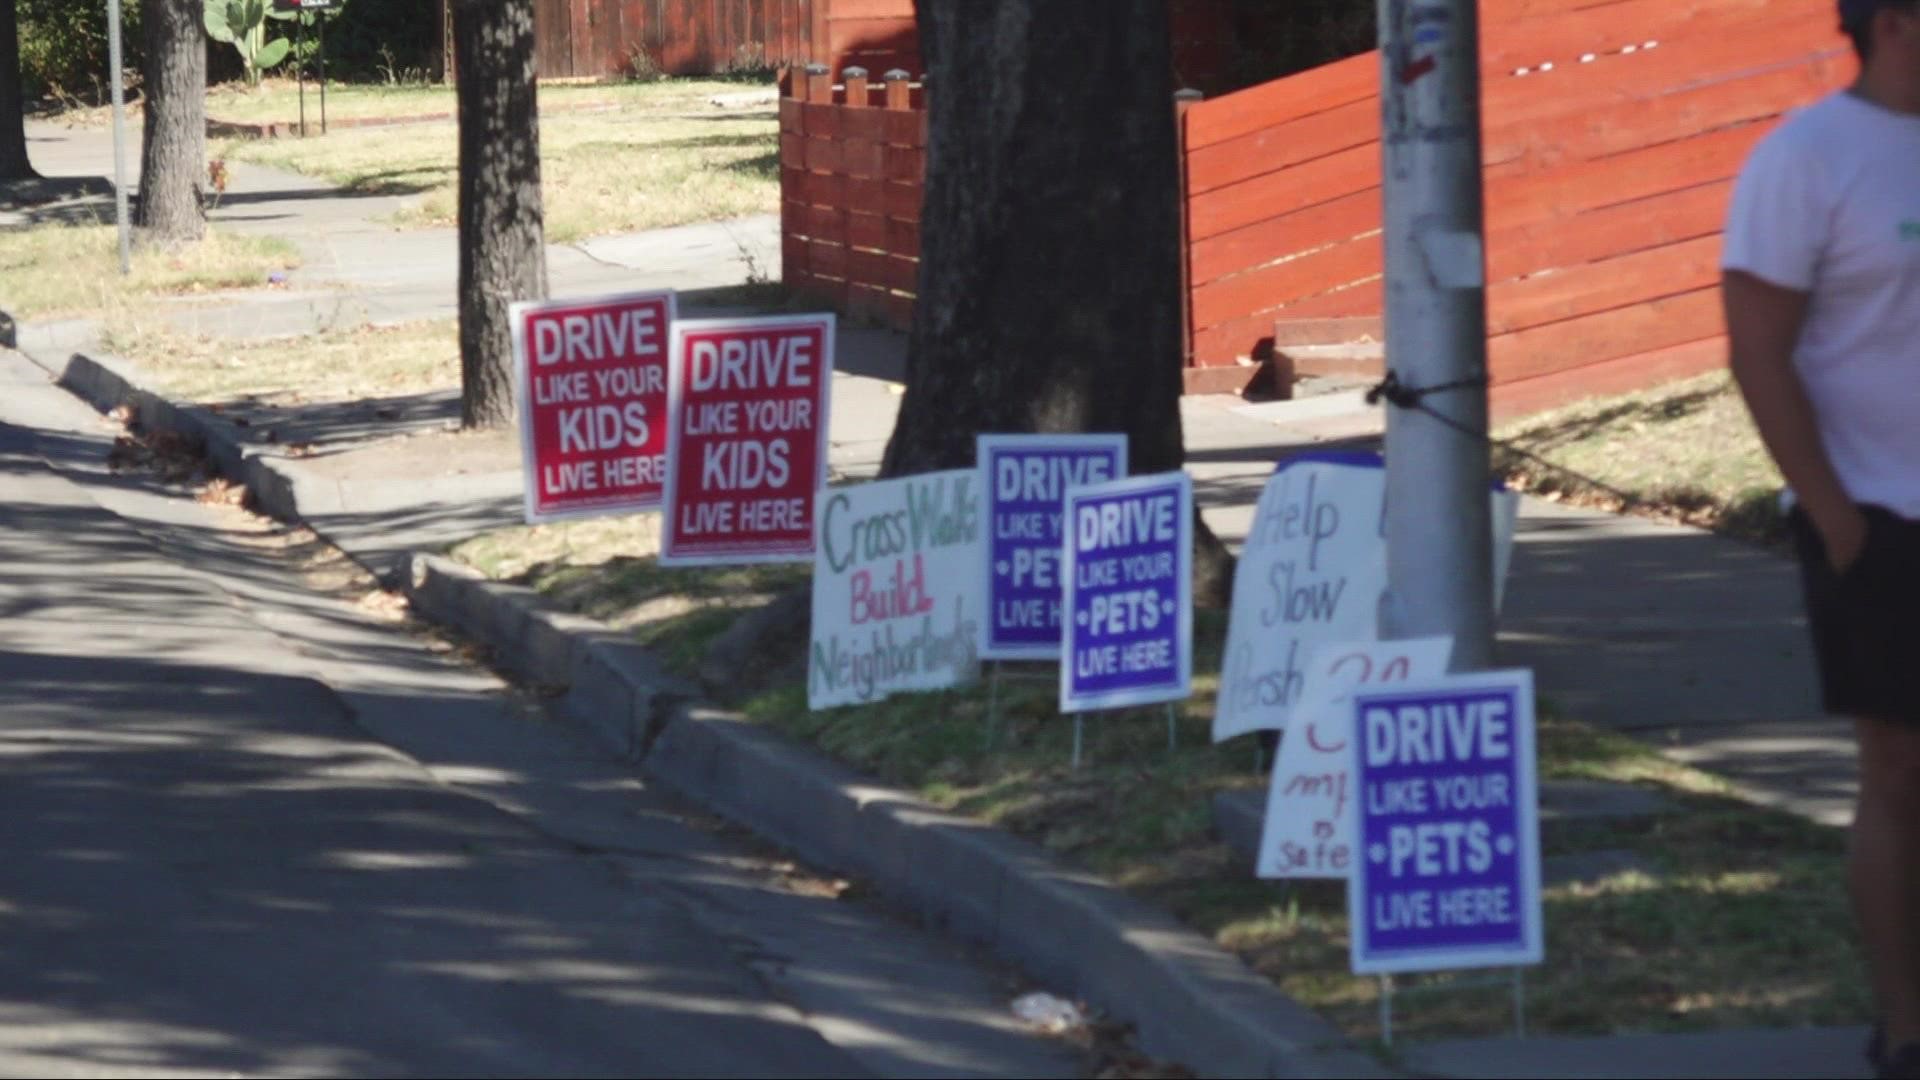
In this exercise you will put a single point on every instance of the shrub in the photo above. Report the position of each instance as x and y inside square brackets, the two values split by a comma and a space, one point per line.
[63, 45]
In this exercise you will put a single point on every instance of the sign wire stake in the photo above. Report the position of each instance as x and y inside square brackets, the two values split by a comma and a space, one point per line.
[320, 29]
[1519, 1002]
[1173, 730]
[300, 69]
[993, 702]
[1386, 1009]
[1079, 728]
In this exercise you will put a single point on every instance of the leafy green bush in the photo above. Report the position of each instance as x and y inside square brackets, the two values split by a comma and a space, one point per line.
[63, 45]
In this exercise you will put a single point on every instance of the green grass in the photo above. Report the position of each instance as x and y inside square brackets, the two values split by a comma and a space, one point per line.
[278, 99]
[604, 568]
[658, 156]
[333, 365]
[74, 270]
[1686, 451]
[1744, 923]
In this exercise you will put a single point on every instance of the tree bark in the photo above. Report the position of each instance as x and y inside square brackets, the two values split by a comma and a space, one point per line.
[1049, 291]
[502, 240]
[173, 158]
[13, 118]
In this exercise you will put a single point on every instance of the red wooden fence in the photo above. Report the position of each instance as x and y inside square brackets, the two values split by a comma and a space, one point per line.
[1609, 156]
[852, 174]
[601, 38]
[1612, 133]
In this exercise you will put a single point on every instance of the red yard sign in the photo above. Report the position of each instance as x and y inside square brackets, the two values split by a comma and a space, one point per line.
[747, 439]
[593, 403]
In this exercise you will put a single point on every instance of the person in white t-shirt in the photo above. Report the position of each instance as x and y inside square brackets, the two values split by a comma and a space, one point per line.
[1822, 292]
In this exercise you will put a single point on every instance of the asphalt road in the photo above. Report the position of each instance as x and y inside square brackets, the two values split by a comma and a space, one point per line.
[247, 828]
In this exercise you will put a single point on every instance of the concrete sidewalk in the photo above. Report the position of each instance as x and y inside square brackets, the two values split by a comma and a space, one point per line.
[1687, 640]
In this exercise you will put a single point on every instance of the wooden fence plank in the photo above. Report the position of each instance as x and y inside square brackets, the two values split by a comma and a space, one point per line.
[1263, 242]
[1603, 286]
[1329, 87]
[1668, 218]
[1270, 287]
[1606, 335]
[1365, 298]
[1624, 178]
[1283, 146]
[1318, 181]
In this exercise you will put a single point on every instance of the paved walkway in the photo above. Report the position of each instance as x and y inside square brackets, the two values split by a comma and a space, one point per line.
[253, 831]
[1685, 639]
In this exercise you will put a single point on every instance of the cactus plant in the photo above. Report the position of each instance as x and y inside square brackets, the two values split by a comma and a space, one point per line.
[243, 25]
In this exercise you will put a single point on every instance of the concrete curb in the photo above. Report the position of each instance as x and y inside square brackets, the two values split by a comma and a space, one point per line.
[280, 486]
[612, 687]
[1188, 1000]
[108, 383]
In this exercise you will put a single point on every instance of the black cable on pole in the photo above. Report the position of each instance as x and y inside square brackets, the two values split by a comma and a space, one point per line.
[1397, 393]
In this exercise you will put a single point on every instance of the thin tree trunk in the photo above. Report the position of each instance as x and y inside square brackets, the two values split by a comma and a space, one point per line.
[502, 241]
[13, 119]
[173, 160]
[1050, 252]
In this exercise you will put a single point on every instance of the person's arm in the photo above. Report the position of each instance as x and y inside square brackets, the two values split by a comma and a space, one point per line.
[1764, 322]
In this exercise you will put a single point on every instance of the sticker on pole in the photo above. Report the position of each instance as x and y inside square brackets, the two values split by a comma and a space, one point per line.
[592, 378]
[1446, 816]
[896, 588]
[1026, 479]
[1307, 833]
[1129, 607]
[747, 439]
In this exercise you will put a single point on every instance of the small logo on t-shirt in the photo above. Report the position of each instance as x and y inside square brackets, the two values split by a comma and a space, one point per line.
[1910, 230]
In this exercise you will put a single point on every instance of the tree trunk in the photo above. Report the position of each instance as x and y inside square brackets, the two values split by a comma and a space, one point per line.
[13, 118]
[173, 159]
[1050, 250]
[502, 242]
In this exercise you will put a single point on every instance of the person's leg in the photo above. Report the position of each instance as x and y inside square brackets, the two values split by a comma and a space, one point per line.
[1883, 871]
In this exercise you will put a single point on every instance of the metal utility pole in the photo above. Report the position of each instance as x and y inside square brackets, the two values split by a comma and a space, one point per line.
[119, 138]
[1439, 533]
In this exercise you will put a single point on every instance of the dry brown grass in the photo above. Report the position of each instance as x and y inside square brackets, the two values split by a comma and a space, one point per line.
[335, 365]
[74, 270]
[658, 156]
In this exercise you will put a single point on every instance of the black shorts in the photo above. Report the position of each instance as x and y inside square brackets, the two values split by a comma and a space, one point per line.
[1866, 621]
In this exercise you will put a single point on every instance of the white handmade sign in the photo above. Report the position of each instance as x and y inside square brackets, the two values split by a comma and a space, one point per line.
[1314, 570]
[897, 588]
[1307, 826]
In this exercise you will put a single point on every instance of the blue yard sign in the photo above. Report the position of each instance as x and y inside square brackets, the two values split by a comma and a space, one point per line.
[1129, 625]
[1447, 822]
[1026, 478]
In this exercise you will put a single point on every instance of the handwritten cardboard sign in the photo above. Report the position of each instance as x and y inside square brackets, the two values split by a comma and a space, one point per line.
[1313, 570]
[1025, 479]
[592, 378]
[1129, 606]
[747, 438]
[1307, 828]
[1446, 816]
[896, 588]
